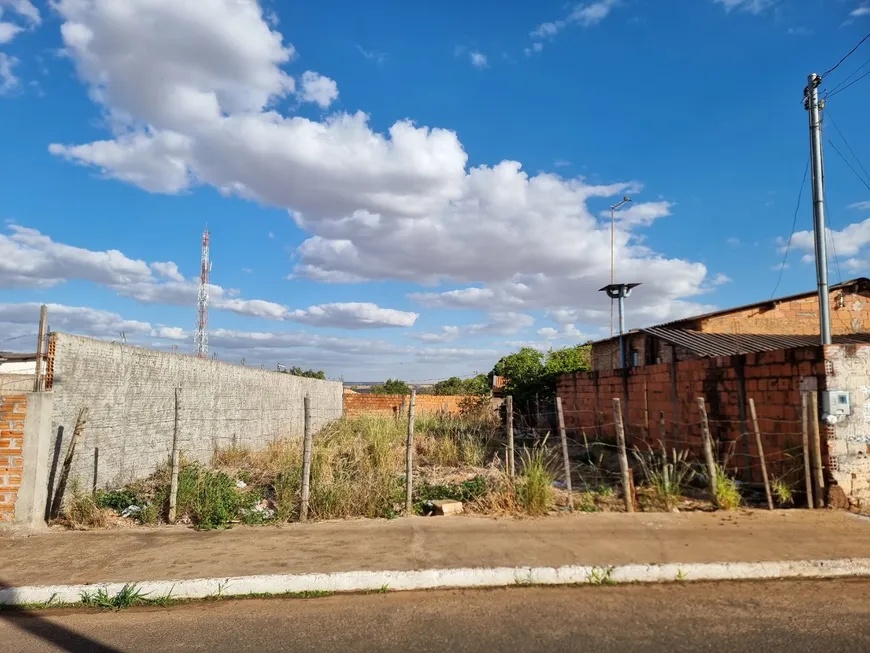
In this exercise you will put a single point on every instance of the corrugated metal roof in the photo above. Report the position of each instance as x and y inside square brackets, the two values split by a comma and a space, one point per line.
[711, 345]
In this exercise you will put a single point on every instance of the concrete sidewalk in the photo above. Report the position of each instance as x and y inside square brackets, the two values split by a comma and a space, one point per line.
[435, 543]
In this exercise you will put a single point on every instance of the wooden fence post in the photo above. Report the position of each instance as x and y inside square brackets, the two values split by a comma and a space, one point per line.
[708, 448]
[67, 463]
[409, 455]
[176, 461]
[816, 446]
[623, 456]
[306, 459]
[760, 453]
[805, 435]
[509, 427]
[565, 458]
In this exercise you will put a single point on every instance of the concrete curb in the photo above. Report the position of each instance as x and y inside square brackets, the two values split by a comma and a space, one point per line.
[359, 581]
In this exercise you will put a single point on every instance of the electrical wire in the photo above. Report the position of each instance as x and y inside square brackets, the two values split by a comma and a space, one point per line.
[851, 75]
[851, 167]
[793, 227]
[848, 85]
[846, 56]
[846, 141]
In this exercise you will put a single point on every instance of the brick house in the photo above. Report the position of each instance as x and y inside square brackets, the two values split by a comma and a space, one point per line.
[767, 352]
[793, 320]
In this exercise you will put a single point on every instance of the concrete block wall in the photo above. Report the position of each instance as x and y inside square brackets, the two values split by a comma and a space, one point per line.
[13, 412]
[367, 404]
[130, 396]
[848, 438]
[774, 380]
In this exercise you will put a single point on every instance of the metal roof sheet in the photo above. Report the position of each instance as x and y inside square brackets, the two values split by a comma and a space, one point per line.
[711, 345]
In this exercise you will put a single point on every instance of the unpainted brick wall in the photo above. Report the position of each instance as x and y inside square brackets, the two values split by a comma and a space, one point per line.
[670, 391]
[13, 409]
[850, 313]
[368, 404]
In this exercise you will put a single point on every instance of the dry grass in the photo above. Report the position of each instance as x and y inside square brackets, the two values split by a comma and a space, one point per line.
[81, 512]
[358, 464]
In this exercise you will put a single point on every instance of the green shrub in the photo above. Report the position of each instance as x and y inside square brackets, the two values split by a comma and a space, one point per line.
[466, 491]
[117, 500]
[210, 499]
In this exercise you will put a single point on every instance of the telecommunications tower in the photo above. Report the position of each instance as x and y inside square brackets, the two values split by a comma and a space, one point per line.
[200, 339]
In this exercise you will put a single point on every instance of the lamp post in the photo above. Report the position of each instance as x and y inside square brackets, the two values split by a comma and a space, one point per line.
[620, 291]
[625, 200]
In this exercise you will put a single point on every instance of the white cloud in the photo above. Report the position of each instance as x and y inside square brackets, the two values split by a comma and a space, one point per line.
[8, 80]
[24, 8]
[749, 6]
[641, 214]
[863, 10]
[78, 319]
[564, 332]
[168, 270]
[849, 242]
[585, 15]
[860, 206]
[30, 259]
[353, 315]
[9, 31]
[478, 59]
[318, 89]
[397, 205]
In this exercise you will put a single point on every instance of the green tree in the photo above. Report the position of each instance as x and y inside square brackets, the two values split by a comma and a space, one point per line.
[310, 374]
[530, 372]
[392, 387]
[476, 385]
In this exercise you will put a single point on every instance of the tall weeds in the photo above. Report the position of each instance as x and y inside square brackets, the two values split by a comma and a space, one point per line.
[667, 477]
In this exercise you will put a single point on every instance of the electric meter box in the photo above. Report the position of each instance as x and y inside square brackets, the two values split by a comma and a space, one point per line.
[836, 402]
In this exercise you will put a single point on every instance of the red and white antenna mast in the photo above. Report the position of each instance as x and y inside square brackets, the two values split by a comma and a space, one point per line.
[200, 339]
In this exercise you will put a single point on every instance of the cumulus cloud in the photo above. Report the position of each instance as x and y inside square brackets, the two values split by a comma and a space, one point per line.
[849, 242]
[353, 315]
[30, 259]
[499, 324]
[76, 319]
[318, 89]
[192, 88]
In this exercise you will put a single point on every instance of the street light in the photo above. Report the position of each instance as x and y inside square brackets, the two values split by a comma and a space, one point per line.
[625, 200]
[620, 291]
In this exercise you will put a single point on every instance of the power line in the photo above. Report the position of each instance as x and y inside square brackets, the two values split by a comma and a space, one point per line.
[793, 227]
[851, 167]
[851, 75]
[848, 85]
[846, 56]
[845, 140]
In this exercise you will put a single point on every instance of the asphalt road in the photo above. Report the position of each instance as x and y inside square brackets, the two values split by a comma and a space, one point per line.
[789, 616]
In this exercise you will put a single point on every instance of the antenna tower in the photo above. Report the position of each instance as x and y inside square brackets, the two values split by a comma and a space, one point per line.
[200, 339]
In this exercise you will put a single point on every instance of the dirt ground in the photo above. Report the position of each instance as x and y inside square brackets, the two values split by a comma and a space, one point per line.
[178, 552]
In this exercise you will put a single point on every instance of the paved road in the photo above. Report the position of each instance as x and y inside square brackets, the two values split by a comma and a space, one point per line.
[789, 616]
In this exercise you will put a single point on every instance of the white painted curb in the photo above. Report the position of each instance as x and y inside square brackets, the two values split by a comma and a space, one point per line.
[358, 581]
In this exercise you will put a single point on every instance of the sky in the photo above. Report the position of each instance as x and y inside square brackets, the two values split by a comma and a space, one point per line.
[415, 189]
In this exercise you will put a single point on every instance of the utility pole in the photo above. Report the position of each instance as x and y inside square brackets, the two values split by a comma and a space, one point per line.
[613, 209]
[811, 104]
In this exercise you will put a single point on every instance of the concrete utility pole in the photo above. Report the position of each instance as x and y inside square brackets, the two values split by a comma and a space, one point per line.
[811, 104]
[613, 209]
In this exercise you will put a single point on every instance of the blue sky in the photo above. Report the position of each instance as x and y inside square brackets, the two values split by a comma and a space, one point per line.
[413, 189]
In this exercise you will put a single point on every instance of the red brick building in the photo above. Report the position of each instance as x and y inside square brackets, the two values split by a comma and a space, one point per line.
[794, 315]
[768, 352]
